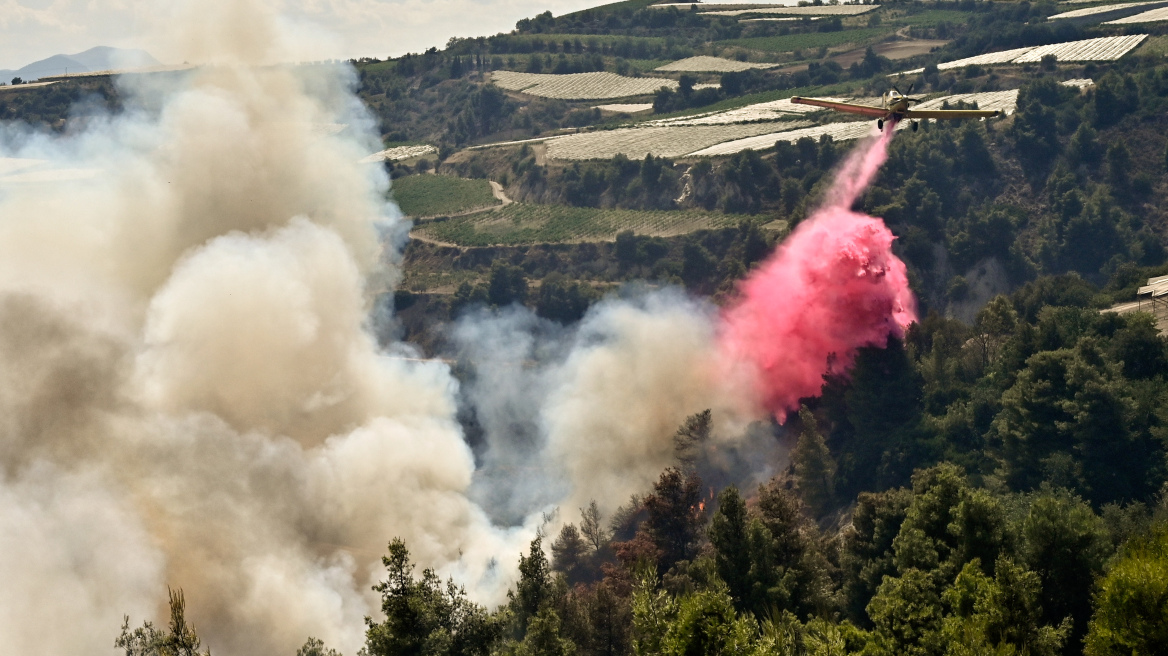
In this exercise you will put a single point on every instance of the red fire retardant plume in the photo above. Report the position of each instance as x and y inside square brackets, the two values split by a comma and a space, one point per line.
[831, 287]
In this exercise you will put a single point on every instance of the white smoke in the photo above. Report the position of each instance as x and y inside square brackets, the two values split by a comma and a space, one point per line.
[191, 394]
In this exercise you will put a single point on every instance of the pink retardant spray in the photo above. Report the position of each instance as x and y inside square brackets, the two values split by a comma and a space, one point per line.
[831, 287]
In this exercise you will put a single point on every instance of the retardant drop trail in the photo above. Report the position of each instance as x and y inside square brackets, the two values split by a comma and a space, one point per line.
[833, 286]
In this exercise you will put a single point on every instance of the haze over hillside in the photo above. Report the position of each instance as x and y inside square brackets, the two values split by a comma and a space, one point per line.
[100, 58]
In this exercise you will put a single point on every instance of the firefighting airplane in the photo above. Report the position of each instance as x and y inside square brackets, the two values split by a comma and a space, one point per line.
[895, 108]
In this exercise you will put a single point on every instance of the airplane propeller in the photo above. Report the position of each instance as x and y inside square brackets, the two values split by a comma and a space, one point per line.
[906, 95]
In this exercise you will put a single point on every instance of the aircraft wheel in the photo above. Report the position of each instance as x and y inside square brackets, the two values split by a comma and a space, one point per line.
[916, 124]
[880, 124]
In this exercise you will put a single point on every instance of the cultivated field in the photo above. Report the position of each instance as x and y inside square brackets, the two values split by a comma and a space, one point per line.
[520, 223]
[837, 131]
[635, 143]
[626, 108]
[1102, 9]
[1005, 101]
[704, 64]
[1107, 48]
[825, 10]
[783, 19]
[775, 110]
[793, 42]
[580, 86]
[441, 195]
[1151, 16]
[399, 153]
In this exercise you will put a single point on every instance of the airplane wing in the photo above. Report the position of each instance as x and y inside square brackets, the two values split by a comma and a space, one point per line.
[863, 110]
[951, 113]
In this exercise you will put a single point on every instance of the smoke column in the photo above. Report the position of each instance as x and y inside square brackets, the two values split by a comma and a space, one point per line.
[191, 393]
[834, 285]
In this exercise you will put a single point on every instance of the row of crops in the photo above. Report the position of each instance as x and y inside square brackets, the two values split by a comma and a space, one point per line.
[837, 131]
[707, 64]
[580, 86]
[521, 223]
[811, 40]
[825, 10]
[635, 143]
[1106, 48]
[1151, 16]
[434, 195]
[774, 110]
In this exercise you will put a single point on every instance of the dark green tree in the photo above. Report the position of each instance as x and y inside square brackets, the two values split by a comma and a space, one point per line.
[814, 466]
[1131, 601]
[674, 520]
[425, 618]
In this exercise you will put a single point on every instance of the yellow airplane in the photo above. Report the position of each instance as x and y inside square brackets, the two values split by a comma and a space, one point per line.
[896, 108]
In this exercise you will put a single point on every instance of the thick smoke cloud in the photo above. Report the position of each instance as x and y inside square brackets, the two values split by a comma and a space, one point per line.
[191, 394]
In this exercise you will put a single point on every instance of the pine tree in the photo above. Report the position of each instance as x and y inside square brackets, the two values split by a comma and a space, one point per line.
[591, 527]
[814, 467]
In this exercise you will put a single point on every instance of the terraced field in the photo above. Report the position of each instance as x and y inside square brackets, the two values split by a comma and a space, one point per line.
[825, 10]
[1004, 101]
[704, 64]
[635, 143]
[1150, 16]
[399, 153]
[520, 223]
[793, 42]
[580, 86]
[437, 195]
[837, 131]
[775, 110]
[627, 108]
[1107, 48]
[1103, 9]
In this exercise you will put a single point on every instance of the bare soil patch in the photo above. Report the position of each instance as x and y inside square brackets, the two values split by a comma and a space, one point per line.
[892, 50]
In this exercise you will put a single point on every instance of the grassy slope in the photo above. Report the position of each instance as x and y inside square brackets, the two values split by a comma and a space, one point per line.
[436, 195]
[521, 223]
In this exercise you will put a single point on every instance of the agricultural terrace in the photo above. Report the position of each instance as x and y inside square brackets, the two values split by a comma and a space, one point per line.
[775, 110]
[636, 143]
[441, 195]
[1005, 101]
[1107, 48]
[792, 42]
[1104, 9]
[629, 47]
[825, 10]
[1151, 16]
[837, 131]
[398, 153]
[580, 86]
[778, 20]
[520, 223]
[625, 108]
[704, 64]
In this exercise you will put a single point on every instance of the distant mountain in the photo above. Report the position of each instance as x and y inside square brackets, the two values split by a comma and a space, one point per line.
[101, 58]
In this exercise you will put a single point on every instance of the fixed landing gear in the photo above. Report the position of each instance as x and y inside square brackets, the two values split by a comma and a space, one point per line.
[880, 124]
[916, 124]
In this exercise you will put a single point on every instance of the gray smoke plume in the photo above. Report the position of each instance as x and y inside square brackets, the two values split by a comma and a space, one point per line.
[191, 394]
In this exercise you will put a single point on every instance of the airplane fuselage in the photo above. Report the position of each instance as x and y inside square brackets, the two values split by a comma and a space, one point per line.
[896, 104]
